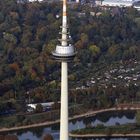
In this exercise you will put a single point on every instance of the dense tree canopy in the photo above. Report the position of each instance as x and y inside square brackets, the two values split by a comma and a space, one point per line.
[29, 32]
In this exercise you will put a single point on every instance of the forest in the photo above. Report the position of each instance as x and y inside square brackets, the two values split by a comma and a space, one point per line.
[30, 31]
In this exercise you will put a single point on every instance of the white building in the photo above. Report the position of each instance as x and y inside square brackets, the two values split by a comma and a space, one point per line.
[35, 0]
[25, 1]
[119, 3]
[98, 2]
[31, 107]
[137, 5]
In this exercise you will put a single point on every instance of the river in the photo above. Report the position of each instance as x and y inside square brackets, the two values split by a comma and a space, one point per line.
[108, 119]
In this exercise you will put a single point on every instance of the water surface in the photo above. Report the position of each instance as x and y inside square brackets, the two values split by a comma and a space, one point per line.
[107, 119]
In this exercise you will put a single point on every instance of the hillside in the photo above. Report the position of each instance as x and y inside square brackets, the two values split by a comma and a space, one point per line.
[29, 32]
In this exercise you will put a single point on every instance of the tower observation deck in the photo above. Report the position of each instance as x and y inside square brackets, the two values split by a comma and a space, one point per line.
[64, 53]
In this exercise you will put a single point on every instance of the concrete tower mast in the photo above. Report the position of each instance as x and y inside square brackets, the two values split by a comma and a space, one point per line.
[64, 53]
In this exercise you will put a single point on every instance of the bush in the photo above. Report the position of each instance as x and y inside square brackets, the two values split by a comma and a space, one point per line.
[48, 137]
[20, 118]
[100, 126]
[11, 137]
[108, 131]
[1, 137]
[39, 108]
[27, 121]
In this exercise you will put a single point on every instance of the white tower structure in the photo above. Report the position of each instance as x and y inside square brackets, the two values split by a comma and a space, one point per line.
[64, 53]
[77, 1]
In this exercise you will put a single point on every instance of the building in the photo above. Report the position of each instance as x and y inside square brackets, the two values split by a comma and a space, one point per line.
[98, 2]
[24, 1]
[46, 106]
[35, 0]
[137, 5]
[119, 3]
[28, 1]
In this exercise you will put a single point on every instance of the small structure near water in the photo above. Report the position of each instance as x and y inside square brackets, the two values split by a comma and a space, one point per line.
[46, 106]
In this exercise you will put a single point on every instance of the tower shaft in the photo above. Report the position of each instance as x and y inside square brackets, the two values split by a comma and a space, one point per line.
[64, 53]
[64, 102]
[64, 80]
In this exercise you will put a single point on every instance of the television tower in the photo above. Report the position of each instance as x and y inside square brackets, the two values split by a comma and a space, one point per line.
[64, 53]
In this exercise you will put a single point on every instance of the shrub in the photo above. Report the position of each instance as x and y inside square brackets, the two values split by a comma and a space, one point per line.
[20, 118]
[48, 137]
[11, 137]
[39, 108]
[100, 126]
[1, 137]
[108, 131]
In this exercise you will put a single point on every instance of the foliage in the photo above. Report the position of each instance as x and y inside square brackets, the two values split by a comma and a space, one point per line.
[138, 117]
[121, 129]
[28, 34]
[20, 118]
[39, 108]
[8, 137]
[48, 137]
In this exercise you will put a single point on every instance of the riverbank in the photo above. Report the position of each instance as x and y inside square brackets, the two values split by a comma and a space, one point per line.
[88, 114]
[103, 135]
[125, 130]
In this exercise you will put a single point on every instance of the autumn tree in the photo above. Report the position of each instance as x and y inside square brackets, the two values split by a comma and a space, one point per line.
[47, 137]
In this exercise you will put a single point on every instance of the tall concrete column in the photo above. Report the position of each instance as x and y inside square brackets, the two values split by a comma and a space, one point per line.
[64, 102]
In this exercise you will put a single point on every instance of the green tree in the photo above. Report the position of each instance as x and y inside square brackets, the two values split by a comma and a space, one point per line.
[10, 37]
[95, 52]
[39, 108]
[20, 118]
[138, 117]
